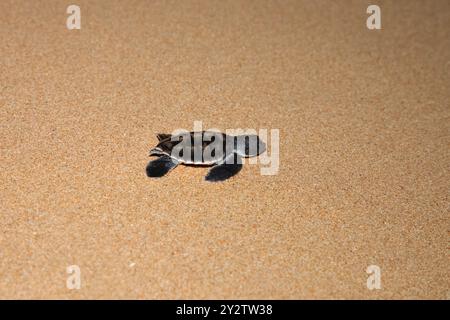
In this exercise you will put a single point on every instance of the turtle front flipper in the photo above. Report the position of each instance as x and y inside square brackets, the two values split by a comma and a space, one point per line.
[224, 170]
[160, 167]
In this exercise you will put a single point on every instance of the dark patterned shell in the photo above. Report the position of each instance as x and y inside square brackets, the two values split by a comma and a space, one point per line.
[202, 148]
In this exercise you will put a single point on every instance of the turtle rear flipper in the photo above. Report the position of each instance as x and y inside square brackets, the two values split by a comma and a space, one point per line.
[160, 167]
[163, 136]
[224, 170]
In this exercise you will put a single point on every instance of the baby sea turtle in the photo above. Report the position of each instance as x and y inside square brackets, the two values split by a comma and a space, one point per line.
[204, 148]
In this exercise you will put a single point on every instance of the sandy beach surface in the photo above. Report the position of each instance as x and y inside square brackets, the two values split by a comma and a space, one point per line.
[363, 118]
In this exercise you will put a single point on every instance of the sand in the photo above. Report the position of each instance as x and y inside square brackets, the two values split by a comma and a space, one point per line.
[363, 117]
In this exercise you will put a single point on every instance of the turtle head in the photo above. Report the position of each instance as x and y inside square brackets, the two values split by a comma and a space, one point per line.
[249, 145]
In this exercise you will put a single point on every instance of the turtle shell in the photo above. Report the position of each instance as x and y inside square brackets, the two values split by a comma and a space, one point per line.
[197, 148]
